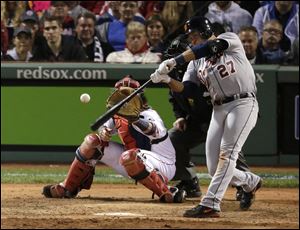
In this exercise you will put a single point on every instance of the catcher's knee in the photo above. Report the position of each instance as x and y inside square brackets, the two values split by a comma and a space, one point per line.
[153, 180]
[133, 164]
[89, 147]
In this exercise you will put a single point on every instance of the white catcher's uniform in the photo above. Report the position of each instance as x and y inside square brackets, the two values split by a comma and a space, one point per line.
[230, 76]
[161, 156]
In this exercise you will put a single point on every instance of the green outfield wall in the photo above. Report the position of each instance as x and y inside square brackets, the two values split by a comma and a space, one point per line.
[43, 120]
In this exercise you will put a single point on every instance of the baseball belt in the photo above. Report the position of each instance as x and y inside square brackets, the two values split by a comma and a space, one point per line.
[232, 98]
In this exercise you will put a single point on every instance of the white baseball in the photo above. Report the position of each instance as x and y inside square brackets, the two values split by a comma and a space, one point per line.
[85, 98]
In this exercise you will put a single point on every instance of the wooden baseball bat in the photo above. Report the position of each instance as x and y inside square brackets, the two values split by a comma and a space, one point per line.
[113, 110]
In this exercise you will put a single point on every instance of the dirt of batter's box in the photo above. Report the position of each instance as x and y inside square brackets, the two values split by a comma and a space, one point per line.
[131, 206]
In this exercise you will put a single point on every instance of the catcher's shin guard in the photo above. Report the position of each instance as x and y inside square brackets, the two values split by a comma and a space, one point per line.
[80, 176]
[81, 172]
[154, 181]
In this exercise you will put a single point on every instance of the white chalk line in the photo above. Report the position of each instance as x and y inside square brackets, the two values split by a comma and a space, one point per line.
[199, 175]
[119, 214]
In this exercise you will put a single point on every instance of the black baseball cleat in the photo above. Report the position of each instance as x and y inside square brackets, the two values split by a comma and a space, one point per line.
[191, 187]
[201, 211]
[249, 197]
[239, 193]
[176, 196]
[179, 195]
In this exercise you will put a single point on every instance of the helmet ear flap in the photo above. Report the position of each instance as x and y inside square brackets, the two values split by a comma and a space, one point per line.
[206, 34]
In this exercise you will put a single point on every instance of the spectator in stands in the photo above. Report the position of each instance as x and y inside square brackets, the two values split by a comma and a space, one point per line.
[229, 14]
[60, 9]
[85, 30]
[155, 33]
[137, 49]
[58, 47]
[287, 13]
[251, 8]
[93, 6]
[109, 12]
[30, 20]
[269, 45]
[175, 14]
[11, 12]
[149, 8]
[295, 52]
[39, 7]
[114, 32]
[75, 9]
[249, 38]
[22, 41]
[4, 39]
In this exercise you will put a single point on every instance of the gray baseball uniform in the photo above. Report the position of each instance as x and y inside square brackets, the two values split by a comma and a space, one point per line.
[230, 80]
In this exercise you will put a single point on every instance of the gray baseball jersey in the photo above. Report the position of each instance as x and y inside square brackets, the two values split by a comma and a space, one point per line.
[231, 74]
[231, 122]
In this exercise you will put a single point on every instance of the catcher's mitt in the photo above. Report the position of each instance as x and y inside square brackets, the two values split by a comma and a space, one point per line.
[131, 110]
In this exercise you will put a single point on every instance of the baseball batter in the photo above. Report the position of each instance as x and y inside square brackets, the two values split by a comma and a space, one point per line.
[145, 155]
[219, 63]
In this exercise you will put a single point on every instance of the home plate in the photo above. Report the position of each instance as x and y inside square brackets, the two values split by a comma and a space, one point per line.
[117, 214]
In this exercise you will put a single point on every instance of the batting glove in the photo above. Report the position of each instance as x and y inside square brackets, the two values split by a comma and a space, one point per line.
[157, 78]
[166, 66]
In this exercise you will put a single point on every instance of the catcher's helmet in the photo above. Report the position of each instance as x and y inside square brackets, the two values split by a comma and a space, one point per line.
[128, 81]
[200, 24]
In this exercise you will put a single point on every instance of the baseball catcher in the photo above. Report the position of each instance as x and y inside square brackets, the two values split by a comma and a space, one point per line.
[145, 155]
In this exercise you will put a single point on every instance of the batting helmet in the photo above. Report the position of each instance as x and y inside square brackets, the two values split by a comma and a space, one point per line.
[199, 24]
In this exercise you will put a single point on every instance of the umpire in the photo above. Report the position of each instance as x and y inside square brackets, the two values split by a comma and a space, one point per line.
[192, 121]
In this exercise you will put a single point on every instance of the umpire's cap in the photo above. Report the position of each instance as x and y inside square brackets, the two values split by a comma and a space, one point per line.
[200, 24]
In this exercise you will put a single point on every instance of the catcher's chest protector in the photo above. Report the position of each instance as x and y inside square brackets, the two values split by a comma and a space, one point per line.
[124, 133]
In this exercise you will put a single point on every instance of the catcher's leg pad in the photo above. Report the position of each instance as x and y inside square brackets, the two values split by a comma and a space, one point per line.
[81, 172]
[90, 145]
[80, 176]
[154, 181]
[87, 156]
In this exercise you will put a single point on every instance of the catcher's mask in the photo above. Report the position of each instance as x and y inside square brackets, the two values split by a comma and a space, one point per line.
[119, 94]
[128, 81]
[177, 46]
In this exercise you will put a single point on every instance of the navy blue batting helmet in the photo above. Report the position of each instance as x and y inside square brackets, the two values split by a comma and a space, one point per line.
[199, 24]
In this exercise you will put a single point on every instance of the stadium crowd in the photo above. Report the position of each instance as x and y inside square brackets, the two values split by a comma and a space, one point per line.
[141, 31]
